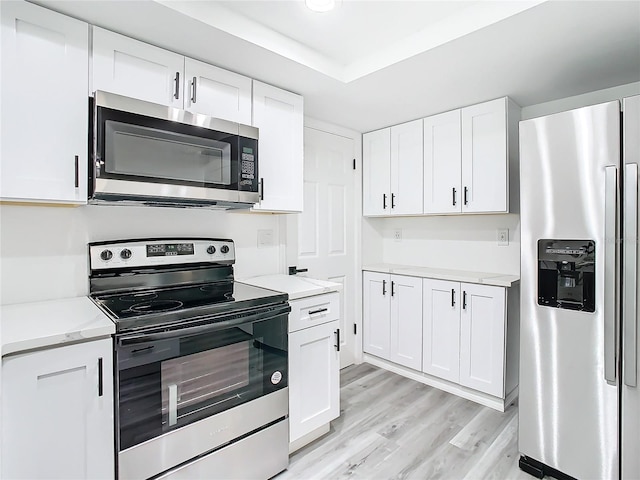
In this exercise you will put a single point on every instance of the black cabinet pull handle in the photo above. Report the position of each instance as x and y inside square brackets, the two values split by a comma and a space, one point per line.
[320, 310]
[293, 270]
[77, 177]
[193, 90]
[454, 196]
[392, 285]
[453, 297]
[337, 332]
[176, 94]
[384, 287]
[464, 300]
[393, 200]
[100, 379]
[384, 201]
[261, 188]
[466, 201]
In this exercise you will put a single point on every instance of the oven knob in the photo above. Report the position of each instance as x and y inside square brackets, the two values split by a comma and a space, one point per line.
[224, 249]
[211, 249]
[106, 255]
[126, 253]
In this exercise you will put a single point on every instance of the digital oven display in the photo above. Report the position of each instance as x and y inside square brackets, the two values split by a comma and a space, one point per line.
[169, 249]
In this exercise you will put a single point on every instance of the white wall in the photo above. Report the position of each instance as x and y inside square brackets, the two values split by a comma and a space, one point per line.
[43, 250]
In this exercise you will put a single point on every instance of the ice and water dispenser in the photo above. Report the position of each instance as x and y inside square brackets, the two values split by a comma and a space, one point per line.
[566, 274]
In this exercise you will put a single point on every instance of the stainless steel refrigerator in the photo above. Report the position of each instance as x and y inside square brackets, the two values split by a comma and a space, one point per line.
[579, 406]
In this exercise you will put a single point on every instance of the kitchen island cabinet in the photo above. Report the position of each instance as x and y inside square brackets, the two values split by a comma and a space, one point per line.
[44, 106]
[57, 412]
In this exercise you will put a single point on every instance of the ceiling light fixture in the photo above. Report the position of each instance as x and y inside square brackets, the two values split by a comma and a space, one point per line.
[320, 5]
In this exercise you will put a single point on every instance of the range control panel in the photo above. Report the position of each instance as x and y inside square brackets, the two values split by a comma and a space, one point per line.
[140, 253]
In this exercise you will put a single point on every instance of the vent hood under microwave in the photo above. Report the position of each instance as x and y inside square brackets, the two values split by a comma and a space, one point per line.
[149, 154]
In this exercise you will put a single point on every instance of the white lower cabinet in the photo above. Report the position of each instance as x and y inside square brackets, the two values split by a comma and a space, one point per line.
[393, 318]
[465, 334]
[57, 413]
[314, 366]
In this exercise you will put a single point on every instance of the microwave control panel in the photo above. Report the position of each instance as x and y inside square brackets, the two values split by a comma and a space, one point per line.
[248, 163]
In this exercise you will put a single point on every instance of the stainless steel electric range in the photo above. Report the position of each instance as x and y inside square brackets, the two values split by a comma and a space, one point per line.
[200, 361]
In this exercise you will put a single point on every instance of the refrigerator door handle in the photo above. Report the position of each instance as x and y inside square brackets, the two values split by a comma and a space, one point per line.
[610, 316]
[630, 275]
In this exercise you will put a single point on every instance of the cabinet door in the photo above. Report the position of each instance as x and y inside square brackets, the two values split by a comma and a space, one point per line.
[376, 167]
[216, 92]
[441, 329]
[44, 105]
[406, 168]
[406, 321]
[376, 314]
[279, 116]
[442, 163]
[484, 157]
[314, 378]
[57, 423]
[482, 338]
[135, 69]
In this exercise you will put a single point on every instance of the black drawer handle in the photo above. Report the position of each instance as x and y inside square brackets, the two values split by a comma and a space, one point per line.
[464, 300]
[384, 287]
[393, 284]
[454, 196]
[320, 310]
[453, 297]
[100, 379]
[337, 332]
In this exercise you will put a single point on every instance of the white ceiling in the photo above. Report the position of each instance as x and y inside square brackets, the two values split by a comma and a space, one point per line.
[370, 64]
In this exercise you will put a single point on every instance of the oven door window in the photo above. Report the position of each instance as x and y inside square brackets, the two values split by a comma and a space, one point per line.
[139, 151]
[169, 383]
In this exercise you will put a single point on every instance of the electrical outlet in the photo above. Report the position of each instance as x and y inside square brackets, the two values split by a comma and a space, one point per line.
[503, 237]
[397, 235]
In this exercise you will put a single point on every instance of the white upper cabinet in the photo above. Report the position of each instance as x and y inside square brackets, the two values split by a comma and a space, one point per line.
[57, 413]
[441, 329]
[44, 105]
[406, 168]
[483, 338]
[216, 92]
[278, 115]
[376, 154]
[442, 163]
[392, 170]
[406, 321]
[485, 162]
[136, 69]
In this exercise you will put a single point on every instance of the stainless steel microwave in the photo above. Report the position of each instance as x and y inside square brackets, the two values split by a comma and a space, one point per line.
[145, 153]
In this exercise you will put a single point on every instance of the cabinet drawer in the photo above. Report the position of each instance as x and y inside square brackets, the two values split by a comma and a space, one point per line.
[310, 311]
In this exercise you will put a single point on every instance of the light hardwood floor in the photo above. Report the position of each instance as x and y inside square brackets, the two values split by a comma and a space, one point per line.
[391, 427]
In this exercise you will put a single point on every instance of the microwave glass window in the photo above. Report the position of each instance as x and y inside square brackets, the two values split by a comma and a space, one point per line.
[147, 152]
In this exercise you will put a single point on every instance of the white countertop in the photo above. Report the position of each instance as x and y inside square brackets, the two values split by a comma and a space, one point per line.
[485, 278]
[295, 285]
[27, 326]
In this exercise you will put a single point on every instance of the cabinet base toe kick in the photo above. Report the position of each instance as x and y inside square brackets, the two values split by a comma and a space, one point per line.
[490, 401]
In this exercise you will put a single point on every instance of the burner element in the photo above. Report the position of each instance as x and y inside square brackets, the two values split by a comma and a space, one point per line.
[138, 297]
[156, 306]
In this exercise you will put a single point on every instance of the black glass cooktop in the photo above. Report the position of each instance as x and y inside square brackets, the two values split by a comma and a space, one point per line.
[167, 305]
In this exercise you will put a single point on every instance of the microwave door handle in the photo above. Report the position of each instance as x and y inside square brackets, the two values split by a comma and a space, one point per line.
[630, 276]
[203, 329]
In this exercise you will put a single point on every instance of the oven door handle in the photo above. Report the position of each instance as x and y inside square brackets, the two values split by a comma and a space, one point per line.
[200, 329]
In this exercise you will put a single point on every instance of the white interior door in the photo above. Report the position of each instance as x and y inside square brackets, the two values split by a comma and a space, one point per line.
[326, 227]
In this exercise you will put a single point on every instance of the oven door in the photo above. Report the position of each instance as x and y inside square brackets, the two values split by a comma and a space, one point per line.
[168, 380]
[148, 151]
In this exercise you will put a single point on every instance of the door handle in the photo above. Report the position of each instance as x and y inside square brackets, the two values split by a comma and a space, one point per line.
[176, 94]
[384, 287]
[464, 300]
[193, 89]
[320, 310]
[293, 270]
[453, 192]
[337, 345]
[384, 201]
[261, 189]
[466, 192]
[392, 288]
[453, 297]
[610, 314]
[630, 275]
[393, 200]
[77, 174]
[100, 378]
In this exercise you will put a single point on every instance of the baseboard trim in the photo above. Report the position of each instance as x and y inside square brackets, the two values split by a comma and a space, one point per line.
[473, 395]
